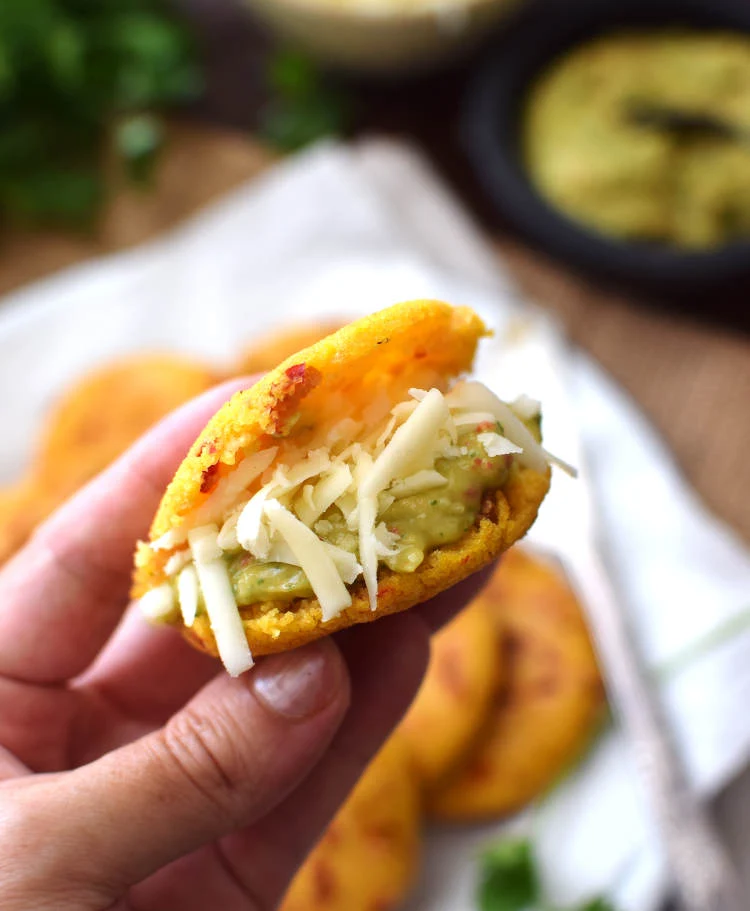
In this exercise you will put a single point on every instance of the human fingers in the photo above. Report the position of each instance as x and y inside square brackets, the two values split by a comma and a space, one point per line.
[251, 868]
[10, 766]
[387, 661]
[64, 592]
[226, 760]
[147, 672]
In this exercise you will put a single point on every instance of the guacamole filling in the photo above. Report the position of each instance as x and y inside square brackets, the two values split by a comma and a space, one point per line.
[420, 522]
[287, 525]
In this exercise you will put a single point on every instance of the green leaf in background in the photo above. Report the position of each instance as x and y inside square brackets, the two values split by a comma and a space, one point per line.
[138, 140]
[79, 78]
[293, 125]
[64, 196]
[151, 55]
[508, 879]
[65, 51]
[597, 904]
[7, 77]
[293, 75]
[304, 106]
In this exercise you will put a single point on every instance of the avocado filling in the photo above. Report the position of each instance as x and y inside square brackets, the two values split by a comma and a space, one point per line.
[419, 522]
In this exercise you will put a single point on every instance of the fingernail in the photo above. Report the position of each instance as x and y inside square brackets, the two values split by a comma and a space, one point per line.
[300, 683]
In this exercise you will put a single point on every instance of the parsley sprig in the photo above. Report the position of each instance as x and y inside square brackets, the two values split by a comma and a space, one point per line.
[304, 106]
[509, 881]
[79, 80]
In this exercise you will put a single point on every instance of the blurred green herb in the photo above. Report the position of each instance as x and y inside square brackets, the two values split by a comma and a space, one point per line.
[597, 904]
[509, 881]
[79, 79]
[304, 105]
[508, 878]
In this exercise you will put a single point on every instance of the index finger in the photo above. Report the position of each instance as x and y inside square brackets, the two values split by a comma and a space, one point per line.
[64, 593]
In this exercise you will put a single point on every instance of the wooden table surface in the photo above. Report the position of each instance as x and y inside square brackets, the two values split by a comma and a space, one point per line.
[692, 381]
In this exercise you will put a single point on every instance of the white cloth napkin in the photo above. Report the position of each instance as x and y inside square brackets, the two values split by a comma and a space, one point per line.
[342, 231]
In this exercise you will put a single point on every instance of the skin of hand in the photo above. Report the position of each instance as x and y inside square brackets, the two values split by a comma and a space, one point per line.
[135, 775]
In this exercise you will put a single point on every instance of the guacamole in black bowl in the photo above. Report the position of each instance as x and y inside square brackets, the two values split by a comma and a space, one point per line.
[617, 138]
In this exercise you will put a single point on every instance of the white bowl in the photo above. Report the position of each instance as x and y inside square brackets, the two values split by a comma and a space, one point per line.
[382, 36]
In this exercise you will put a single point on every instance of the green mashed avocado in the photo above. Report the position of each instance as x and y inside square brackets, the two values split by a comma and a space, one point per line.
[594, 161]
[422, 521]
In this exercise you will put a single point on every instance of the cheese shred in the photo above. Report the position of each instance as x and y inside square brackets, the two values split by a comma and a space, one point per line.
[218, 596]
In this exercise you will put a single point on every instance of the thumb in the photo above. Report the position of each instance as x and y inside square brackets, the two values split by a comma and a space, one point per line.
[234, 752]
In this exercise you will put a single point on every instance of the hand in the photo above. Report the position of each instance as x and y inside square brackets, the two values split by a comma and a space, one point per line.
[135, 775]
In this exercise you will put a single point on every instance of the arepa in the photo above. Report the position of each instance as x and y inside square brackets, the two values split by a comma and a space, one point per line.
[357, 479]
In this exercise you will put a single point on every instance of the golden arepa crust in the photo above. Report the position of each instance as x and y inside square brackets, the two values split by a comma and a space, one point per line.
[419, 343]
[107, 410]
[368, 857]
[552, 703]
[90, 425]
[449, 711]
[269, 350]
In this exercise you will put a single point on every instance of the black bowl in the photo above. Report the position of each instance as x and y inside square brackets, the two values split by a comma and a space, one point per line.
[715, 283]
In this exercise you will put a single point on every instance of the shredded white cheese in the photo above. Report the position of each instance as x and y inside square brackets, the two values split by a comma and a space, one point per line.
[385, 501]
[385, 541]
[227, 539]
[368, 544]
[473, 417]
[381, 440]
[187, 594]
[404, 409]
[221, 499]
[281, 552]
[285, 480]
[477, 397]
[168, 540]
[565, 466]
[410, 447]
[204, 544]
[427, 479]
[250, 530]
[218, 597]
[346, 563]
[526, 408]
[363, 463]
[323, 527]
[314, 559]
[350, 510]
[351, 453]
[175, 563]
[496, 445]
[229, 488]
[158, 604]
[323, 495]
